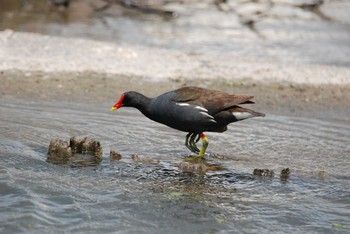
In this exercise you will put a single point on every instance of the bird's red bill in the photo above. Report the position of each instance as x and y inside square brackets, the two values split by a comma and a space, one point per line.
[119, 103]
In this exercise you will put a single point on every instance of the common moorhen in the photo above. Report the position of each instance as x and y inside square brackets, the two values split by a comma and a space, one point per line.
[193, 110]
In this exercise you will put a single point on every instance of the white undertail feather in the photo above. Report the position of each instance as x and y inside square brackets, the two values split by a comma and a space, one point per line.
[242, 115]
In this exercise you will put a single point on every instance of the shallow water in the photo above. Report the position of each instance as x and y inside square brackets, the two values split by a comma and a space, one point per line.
[124, 196]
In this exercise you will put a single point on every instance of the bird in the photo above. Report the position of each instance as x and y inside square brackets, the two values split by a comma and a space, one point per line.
[193, 110]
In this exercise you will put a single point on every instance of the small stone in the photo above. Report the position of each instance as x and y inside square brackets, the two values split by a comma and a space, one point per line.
[114, 156]
[263, 172]
[145, 160]
[285, 173]
[136, 158]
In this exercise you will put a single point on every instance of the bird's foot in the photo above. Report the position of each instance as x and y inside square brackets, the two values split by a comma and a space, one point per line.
[191, 143]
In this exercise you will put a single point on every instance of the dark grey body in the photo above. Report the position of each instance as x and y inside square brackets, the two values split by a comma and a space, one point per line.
[185, 111]
[183, 118]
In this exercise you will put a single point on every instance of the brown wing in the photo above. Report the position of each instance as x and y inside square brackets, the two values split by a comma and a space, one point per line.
[214, 101]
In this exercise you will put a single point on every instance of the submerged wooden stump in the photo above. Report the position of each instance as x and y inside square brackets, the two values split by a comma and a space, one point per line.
[83, 152]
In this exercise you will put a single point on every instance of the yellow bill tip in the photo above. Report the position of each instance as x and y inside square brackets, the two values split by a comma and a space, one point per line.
[113, 108]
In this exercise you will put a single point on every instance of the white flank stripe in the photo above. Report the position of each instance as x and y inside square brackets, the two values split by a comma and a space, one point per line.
[242, 115]
[182, 104]
[206, 114]
[201, 108]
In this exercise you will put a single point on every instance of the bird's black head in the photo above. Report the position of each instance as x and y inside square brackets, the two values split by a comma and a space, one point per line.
[129, 99]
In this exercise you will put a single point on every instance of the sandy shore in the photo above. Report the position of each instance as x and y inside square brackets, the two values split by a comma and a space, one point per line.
[35, 52]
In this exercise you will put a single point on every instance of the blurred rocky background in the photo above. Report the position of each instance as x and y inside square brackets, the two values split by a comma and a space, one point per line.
[305, 31]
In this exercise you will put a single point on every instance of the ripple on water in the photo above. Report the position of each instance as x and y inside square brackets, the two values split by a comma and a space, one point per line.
[126, 196]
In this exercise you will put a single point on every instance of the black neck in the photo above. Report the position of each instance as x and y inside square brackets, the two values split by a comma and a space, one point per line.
[141, 102]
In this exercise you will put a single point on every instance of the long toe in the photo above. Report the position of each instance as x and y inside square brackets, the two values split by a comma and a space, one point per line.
[193, 144]
[187, 144]
[190, 144]
[194, 148]
[198, 137]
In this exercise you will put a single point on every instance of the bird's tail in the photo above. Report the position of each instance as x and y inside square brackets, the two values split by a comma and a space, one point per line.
[241, 113]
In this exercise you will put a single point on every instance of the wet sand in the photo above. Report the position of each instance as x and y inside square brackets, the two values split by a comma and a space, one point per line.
[321, 101]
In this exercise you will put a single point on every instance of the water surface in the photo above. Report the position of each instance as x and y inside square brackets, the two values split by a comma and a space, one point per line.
[124, 196]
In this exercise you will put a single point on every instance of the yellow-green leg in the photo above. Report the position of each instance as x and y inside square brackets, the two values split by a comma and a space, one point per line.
[204, 145]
